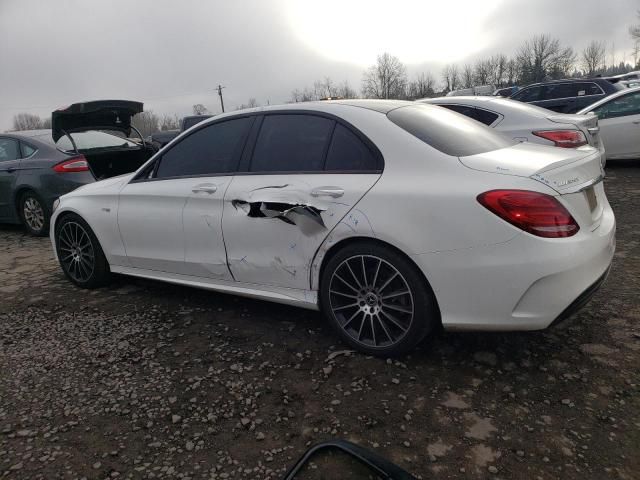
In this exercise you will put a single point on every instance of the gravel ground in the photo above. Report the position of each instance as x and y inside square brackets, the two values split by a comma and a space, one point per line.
[147, 380]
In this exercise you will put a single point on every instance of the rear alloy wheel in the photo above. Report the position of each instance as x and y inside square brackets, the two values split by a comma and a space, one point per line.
[376, 300]
[34, 214]
[80, 254]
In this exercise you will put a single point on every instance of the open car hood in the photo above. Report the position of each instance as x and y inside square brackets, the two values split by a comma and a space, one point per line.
[96, 115]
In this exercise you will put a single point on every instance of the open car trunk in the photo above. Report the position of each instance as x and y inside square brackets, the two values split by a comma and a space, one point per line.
[110, 162]
[80, 128]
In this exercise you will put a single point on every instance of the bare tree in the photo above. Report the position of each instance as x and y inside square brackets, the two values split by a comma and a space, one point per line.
[170, 122]
[199, 109]
[421, 87]
[146, 122]
[386, 79]
[27, 121]
[451, 77]
[251, 103]
[635, 53]
[482, 72]
[511, 72]
[467, 76]
[594, 58]
[345, 91]
[542, 57]
[45, 123]
[634, 30]
[498, 64]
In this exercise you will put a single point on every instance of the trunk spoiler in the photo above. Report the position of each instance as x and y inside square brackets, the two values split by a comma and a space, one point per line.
[95, 115]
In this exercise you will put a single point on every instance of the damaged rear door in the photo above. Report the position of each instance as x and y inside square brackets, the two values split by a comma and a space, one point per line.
[303, 175]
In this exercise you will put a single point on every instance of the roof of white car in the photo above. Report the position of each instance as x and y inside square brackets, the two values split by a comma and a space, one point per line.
[609, 98]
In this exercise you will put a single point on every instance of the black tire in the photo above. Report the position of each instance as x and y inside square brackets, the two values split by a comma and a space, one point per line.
[80, 254]
[369, 310]
[34, 214]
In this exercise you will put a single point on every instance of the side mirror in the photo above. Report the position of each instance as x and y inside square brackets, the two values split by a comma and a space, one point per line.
[343, 459]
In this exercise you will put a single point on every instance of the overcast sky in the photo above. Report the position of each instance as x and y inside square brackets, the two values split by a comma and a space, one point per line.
[172, 54]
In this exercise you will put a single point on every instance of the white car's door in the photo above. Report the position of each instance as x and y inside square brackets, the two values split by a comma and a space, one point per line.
[170, 219]
[303, 175]
[619, 121]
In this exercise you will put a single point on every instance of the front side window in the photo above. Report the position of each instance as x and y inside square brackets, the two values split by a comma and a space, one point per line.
[214, 149]
[620, 107]
[348, 152]
[9, 149]
[291, 143]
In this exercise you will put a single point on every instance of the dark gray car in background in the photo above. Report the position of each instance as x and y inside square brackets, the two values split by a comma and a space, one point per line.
[38, 166]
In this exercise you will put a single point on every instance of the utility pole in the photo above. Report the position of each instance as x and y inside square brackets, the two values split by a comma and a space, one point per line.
[220, 87]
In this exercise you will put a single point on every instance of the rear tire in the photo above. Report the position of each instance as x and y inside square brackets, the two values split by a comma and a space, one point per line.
[34, 214]
[80, 254]
[377, 300]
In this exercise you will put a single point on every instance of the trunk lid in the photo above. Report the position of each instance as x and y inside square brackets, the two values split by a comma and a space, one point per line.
[95, 115]
[587, 123]
[575, 174]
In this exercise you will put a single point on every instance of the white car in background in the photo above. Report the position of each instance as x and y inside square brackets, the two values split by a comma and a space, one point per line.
[619, 120]
[390, 217]
[528, 123]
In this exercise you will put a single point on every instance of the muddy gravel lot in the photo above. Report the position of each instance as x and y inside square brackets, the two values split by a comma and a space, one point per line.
[148, 380]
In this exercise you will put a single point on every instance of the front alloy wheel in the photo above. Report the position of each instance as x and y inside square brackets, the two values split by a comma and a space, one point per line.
[78, 257]
[79, 253]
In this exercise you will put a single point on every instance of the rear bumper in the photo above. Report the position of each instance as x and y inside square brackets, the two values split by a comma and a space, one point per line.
[581, 301]
[523, 284]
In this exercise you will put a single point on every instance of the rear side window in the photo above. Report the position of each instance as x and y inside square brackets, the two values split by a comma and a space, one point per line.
[482, 116]
[211, 150]
[27, 150]
[450, 133]
[348, 152]
[464, 110]
[560, 90]
[485, 116]
[291, 143]
[588, 89]
[9, 149]
[528, 94]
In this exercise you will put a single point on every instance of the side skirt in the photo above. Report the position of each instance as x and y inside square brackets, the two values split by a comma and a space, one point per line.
[298, 298]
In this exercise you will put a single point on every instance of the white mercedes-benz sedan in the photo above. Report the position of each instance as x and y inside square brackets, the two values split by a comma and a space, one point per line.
[390, 217]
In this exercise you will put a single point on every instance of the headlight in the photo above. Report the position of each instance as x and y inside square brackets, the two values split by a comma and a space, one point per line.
[56, 202]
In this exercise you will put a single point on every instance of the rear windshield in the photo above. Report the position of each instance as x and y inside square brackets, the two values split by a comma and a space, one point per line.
[447, 131]
[88, 140]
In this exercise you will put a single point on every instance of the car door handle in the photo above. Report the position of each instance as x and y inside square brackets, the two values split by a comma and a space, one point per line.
[11, 169]
[207, 188]
[333, 192]
[635, 122]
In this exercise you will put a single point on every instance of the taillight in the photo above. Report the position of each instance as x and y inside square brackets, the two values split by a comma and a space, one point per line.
[563, 138]
[533, 212]
[75, 164]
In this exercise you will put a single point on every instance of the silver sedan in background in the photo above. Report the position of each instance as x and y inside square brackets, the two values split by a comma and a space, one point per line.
[619, 119]
[527, 123]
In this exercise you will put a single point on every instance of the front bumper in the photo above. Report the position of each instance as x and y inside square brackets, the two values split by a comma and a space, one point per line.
[523, 284]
